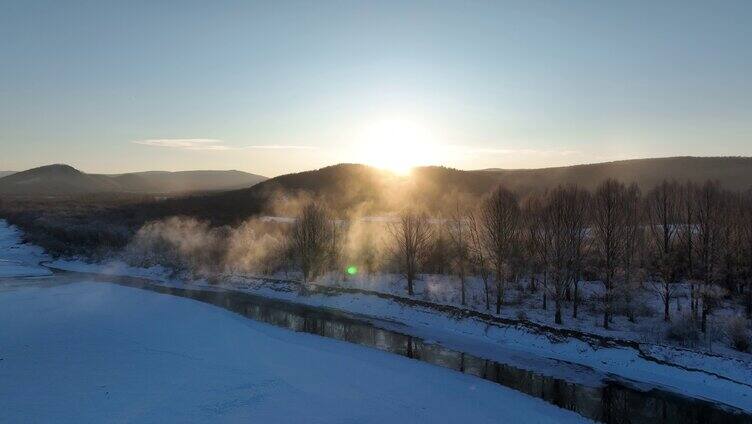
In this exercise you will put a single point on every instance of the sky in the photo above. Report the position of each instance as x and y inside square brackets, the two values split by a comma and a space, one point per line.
[281, 86]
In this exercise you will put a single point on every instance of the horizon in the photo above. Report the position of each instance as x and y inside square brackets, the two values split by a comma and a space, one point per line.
[373, 166]
[272, 89]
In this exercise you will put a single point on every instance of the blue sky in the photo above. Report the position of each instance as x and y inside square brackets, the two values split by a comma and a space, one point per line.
[277, 87]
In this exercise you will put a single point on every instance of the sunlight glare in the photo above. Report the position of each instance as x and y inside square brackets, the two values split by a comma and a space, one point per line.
[397, 145]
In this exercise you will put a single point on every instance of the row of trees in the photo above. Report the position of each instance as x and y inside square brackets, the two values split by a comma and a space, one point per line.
[698, 234]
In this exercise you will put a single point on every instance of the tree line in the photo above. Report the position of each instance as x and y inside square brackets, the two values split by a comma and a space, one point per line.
[696, 234]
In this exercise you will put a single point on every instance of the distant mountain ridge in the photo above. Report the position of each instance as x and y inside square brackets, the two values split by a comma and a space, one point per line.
[64, 180]
[6, 173]
[185, 181]
[354, 187]
[733, 172]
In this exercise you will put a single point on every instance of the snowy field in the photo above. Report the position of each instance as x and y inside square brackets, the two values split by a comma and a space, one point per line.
[95, 352]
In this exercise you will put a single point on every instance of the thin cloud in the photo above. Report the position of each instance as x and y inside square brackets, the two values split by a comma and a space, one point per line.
[209, 144]
[529, 152]
[526, 152]
[279, 146]
[185, 143]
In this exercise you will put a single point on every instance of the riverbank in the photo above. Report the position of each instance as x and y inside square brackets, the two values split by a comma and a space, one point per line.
[686, 372]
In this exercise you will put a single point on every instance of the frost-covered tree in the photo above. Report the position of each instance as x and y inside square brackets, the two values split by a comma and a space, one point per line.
[500, 225]
[634, 246]
[609, 234]
[459, 236]
[312, 237]
[478, 255]
[564, 227]
[411, 239]
[662, 215]
[745, 229]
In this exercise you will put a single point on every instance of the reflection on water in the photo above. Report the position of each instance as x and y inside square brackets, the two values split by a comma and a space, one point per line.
[613, 402]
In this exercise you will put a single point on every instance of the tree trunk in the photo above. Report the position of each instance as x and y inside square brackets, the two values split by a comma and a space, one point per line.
[545, 288]
[488, 298]
[666, 305]
[627, 281]
[545, 307]
[499, 288]
[462, 288]
[575, 299]
[606, 302]
[704, 321]
[498, 296]
[409, 284]
[630, 306]
[557, 317]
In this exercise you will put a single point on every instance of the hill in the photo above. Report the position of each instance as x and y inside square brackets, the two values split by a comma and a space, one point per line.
[6, 173]
[54, 180]
[734, 173]
[350, 187]
[343, 187]
[185, 181]
[64, 180]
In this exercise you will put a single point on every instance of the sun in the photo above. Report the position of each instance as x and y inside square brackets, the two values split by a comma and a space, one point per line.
[397, 145]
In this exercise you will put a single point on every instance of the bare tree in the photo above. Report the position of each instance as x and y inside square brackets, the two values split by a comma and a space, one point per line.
[563, 229]
[312, 238]
[500, 224]
[634, 238]
[579, 201]
[459, 234]
[478, 255]
[687, 236]
[746, 250]
[709, 229]
[411, 237]
[731, 241]
[661, 208]
[534, 214]
[609, 233]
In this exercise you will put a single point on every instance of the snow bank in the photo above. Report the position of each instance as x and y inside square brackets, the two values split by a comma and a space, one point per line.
[114, 267]
[19, 259]
[93, 352]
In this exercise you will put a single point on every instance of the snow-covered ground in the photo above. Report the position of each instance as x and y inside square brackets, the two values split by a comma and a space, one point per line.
[19, 259]
[93, 352]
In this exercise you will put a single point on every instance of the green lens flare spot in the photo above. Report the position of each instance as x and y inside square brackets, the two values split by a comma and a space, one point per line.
[352, 270]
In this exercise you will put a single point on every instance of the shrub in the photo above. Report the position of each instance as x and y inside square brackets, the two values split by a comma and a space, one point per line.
[683, 331]
[521, 315]
[738, 336]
